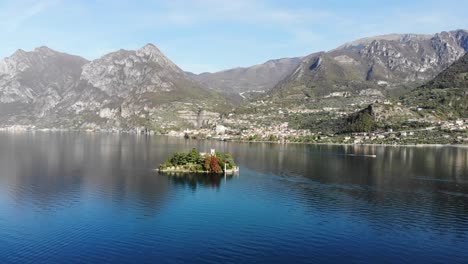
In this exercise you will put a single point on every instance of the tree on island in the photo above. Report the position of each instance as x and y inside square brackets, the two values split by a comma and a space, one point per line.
[212, 164]
[193, 155]
[229, 160]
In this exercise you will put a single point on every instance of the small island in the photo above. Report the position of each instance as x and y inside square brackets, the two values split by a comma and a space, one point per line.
[200, 162]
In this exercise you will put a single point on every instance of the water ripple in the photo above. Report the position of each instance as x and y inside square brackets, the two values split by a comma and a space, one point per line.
[96, 199]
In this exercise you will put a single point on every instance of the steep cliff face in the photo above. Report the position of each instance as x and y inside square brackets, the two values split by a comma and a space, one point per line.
[33, 83]
[27, 76]
[141, 83]
[455, 76]
[124, 72]
[372, 67]
[446, 96]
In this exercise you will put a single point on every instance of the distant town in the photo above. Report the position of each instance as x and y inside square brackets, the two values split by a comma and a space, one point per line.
[437, 132]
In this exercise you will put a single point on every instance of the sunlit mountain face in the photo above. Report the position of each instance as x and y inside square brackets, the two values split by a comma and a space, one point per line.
[126, 89]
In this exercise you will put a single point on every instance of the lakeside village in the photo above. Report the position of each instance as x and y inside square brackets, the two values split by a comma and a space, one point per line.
[439, 132]
[200, 162]
[434, 132]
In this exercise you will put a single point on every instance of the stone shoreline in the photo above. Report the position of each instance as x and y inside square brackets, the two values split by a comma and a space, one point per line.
[181, 170]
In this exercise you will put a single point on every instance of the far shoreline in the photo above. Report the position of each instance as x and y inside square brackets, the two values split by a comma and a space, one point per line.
[231, 140]
[351, 144]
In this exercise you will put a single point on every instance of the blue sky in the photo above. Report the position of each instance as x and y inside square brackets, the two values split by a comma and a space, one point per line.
[211, 35]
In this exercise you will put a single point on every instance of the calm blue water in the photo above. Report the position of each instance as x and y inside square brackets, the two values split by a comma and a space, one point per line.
[95, 198]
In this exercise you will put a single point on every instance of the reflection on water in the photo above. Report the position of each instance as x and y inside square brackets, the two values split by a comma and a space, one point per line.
[97, 198]
[43, 168]
[193, 180]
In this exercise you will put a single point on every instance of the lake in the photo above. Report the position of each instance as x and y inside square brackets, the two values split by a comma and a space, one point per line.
[96, 198]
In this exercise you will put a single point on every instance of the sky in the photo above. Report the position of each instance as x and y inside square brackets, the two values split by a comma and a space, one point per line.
[212, 35]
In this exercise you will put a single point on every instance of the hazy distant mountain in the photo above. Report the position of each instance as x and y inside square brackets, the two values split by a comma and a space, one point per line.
[372, 67]
[120, 89]
[391, 37]
[245, 81]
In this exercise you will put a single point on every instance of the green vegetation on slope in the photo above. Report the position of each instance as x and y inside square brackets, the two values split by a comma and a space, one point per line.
[445, 103]
[362, 121]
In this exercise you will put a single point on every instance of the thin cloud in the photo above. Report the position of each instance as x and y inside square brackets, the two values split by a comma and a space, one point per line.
[14, 16]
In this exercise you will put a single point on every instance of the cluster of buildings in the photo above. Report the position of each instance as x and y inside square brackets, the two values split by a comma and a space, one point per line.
[278, 132]
[439, 129]
[358, 138]
[458, 124]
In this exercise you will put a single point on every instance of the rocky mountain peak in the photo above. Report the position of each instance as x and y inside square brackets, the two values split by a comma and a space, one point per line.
[38, 54]
[19, 52]
[150, 48]
[22, 60]
[154, 54]
[38, 78]
[45, 50]
[122, 86]
[125, 71]
[457, 36]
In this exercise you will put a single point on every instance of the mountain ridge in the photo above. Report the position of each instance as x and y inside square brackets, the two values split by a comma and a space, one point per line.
[256, 78]
[143, 87]
[373, 70]
[120, 89]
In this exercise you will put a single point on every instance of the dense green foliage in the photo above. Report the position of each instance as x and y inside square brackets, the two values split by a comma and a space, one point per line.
[360, 122]
[194, 162]
[445, 103]
[316, 122]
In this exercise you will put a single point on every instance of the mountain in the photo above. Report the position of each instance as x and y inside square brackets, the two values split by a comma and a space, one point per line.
[33, 83]
[121, 89]
[370, 69]
[143, 88]
[248, 81]
[455, 76]
[446, 95]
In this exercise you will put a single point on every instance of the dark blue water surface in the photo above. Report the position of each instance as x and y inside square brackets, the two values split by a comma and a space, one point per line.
[95, 198]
